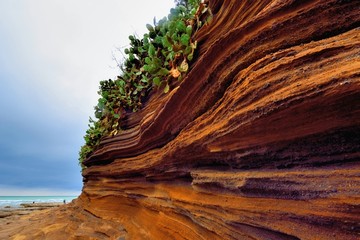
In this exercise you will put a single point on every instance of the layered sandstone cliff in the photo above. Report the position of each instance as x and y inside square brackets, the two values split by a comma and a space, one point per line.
[261, 140]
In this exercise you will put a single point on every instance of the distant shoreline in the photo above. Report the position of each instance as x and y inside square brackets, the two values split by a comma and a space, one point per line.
[17, 201]
[26, 208]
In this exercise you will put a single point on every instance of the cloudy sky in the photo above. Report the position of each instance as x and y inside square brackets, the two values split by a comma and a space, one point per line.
[53, 53]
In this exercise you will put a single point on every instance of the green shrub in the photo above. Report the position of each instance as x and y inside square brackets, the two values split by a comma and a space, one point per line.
[160, 57]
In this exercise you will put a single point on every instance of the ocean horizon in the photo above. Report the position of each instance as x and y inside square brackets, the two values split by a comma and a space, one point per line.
[16, 201]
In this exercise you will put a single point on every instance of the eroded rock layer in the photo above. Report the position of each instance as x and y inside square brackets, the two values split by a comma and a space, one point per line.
[260, 141]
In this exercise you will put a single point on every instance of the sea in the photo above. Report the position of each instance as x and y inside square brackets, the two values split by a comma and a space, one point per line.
[15, 201]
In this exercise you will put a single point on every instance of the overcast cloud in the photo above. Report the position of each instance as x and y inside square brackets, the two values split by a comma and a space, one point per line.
[52, 56]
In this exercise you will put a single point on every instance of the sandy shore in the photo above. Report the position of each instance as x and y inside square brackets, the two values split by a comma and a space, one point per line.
[67, 221]
[9, 215]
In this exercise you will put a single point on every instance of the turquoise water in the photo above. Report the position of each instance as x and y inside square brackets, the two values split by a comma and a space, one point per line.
[15, 201]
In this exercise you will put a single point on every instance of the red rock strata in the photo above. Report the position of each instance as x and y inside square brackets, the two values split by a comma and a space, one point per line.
[260, 141]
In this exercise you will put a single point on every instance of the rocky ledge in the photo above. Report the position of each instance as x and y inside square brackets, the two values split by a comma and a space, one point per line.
[261, 140]
[25, 208]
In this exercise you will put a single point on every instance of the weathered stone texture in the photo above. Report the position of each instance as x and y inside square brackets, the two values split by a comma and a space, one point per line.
[260, 141]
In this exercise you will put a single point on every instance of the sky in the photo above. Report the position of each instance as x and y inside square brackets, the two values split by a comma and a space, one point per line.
[52, 56]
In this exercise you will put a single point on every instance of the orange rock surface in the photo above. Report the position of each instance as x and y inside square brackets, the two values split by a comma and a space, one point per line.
[261, 140]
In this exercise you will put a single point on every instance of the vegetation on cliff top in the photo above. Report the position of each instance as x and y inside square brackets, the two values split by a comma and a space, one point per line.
[160, 57]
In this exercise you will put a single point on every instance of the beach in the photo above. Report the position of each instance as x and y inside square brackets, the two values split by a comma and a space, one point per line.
[25, 208]
[13, 207]
[13, 219]
[10, 214]
[58, 221]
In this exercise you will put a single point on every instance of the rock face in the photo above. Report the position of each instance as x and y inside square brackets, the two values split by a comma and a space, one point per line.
[261, 140]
